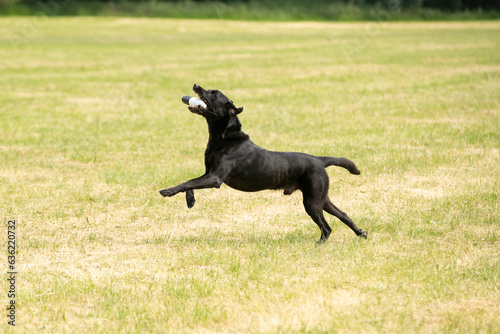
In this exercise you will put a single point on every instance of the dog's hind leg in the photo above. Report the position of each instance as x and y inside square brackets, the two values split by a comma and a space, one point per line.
[333, 210]
[316, 213]
[314, 188]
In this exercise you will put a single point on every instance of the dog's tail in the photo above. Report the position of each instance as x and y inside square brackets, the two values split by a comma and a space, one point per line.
[341, 162]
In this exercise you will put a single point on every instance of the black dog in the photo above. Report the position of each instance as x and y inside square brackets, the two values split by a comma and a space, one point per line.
[233, 159]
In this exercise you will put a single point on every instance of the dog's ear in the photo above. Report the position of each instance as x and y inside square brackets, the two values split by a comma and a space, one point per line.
[233, 110]
[233, 128]
[236, 111]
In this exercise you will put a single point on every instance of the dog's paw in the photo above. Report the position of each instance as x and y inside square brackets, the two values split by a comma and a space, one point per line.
[167, 192]
[320, 242]
[190, 199]
[364, 234]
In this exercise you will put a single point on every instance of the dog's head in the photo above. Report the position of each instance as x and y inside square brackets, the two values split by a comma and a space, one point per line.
[218, 104]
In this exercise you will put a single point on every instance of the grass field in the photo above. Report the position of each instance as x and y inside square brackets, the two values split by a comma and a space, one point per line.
[92, 126]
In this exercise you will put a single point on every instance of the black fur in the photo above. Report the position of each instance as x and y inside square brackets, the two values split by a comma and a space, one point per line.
[232, 158]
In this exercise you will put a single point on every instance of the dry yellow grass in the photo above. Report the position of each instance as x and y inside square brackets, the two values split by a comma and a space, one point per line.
[92, 127]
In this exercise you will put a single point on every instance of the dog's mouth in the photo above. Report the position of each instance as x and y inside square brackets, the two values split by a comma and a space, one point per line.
[200, 110]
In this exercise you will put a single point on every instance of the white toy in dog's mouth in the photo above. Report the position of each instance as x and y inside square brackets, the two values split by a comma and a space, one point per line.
[194, 102]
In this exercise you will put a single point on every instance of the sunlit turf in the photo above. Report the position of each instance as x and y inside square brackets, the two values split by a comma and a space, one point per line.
[93, 126]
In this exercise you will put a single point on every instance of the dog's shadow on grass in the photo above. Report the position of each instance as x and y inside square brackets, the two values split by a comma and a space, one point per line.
[221, 239]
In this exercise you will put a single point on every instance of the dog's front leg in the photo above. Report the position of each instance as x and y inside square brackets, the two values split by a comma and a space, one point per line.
[206, 181]
[190, 198]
